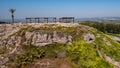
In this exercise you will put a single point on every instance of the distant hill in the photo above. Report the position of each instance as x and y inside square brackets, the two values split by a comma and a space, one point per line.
[2, 22]
[98, 19]
[16, 20]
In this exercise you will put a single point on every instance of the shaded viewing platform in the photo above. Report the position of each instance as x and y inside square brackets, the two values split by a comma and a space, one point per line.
[50, 20]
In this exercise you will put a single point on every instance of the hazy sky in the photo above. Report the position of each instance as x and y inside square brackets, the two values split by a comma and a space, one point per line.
[58, 8]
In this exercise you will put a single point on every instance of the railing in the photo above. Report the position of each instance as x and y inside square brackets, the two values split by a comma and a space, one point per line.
[49, 19]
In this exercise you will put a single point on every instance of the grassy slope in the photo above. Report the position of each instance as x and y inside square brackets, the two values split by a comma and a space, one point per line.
[80, 53]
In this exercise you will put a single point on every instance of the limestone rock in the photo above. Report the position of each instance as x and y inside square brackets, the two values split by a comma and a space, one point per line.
[29, 37]
[42, 39]
[89, 37]
[116, 38]
[59, 38]
[112, 61]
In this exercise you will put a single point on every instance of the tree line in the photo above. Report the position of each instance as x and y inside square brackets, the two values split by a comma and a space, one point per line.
[104, 27]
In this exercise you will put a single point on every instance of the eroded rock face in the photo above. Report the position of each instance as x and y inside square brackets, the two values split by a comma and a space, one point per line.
[34, 38]
[89, 37]
[37, 38]
[42, 39]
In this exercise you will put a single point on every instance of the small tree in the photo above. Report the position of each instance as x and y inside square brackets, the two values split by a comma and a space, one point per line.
[12, 14]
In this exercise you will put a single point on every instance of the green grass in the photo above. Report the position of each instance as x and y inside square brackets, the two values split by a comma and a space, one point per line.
[32, 53]
[86, 55]
[112, 50]
[117, 35]
[80, 53]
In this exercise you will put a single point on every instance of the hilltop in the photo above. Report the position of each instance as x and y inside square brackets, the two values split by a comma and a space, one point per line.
[57, 45]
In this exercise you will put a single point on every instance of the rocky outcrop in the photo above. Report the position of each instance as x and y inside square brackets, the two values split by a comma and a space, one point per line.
[116, 38]
[12, 45]
[112, 61]
[8, 29]
[42, 38]
[16, 44]
[89, 37]
[39, 38]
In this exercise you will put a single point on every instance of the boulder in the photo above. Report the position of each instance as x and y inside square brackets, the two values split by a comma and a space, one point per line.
[61, 54]
[89, 37]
